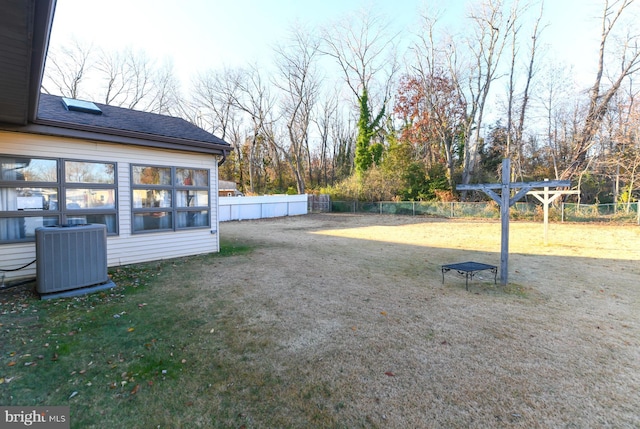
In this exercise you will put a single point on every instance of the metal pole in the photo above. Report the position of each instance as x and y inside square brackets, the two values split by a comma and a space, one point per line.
[504, 217]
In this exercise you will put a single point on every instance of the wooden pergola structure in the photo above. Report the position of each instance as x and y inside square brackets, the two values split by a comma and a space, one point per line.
[546, 197]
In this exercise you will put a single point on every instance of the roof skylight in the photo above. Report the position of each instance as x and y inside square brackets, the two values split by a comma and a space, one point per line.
[81, 106]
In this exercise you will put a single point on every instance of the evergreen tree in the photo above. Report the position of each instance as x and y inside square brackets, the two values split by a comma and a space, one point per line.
[367, 153]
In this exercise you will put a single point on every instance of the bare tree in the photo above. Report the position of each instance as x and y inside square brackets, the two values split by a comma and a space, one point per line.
[556, 96]
[490, 32]
[214, 95]
[112, 66]
[253, 97]
[67, 69]
[599, 97]
[327, 110]
[620, 153]
[119, 78]
[166, 97]
[515, 128]
[366, 55]
[433, 98]
[215, 100]
[141, 75]
[130, 79]
[299, 84]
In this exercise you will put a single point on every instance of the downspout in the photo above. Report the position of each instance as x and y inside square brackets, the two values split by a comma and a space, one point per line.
[223, 159]
[217, 228]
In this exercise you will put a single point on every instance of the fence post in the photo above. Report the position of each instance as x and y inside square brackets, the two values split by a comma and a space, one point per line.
[413, 208]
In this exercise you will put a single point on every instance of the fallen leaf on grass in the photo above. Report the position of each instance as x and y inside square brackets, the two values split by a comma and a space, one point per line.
[131, 329]
[135, 389]
[54, 357]
[12, 363]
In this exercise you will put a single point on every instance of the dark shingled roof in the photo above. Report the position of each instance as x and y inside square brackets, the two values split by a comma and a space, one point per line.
[118, 119]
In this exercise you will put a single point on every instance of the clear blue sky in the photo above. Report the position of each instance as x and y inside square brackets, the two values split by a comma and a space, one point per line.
[202, 34]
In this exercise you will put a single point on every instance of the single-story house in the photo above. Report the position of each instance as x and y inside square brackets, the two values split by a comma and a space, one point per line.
[151, 179]
[228, 188]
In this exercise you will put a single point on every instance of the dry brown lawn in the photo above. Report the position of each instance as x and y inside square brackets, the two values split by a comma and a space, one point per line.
[350, 314]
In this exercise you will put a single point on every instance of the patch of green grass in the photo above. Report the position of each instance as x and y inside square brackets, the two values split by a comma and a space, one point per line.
[141, 355]
[232, 248]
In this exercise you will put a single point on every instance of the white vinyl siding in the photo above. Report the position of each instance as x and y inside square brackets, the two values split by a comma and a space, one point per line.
[125, 248]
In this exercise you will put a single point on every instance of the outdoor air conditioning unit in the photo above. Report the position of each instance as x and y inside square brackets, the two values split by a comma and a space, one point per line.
[71, 260]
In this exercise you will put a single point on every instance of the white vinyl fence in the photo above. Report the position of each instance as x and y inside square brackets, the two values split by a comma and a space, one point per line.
[241, 208]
